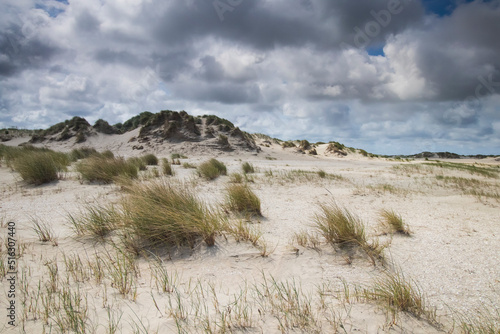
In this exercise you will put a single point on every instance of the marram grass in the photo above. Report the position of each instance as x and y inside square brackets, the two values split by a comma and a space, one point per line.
[106, 170]
[212, 169]
[160, 214]
[240, 198]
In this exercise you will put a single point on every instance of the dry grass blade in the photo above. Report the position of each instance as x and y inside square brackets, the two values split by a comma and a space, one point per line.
[398, 294]
[95, 220]
[44, 231]
[485, 321]
[394, 222]
[341, 227]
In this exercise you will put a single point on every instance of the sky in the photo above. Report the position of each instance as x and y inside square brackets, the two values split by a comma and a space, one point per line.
[388, 76]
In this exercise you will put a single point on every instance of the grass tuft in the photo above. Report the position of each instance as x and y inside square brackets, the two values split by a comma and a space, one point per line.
[44, 231]
[394, 222]
[212, 169]
[167, 167]
[240, 198]
[247, 168]
[178, 156]
[95, 220]
[398, 294]
[159, 214]
[235, 178]
[150, 159]
[341, 227]
[106, 170]
[39, 167]
[138, 163]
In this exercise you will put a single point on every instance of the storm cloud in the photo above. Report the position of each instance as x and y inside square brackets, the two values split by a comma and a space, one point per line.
[389, 76]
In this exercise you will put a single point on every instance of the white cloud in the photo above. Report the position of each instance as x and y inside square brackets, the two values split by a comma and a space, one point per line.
[269, 66]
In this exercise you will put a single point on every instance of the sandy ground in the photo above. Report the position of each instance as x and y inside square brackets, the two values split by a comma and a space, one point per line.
[453, 254]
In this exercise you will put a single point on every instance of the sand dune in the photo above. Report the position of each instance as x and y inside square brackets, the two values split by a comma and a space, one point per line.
[452, 255]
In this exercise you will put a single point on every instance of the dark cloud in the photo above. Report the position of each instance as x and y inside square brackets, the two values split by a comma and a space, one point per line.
[290, 68]
[86, 23]
[107, 56]
[18, 53]
[222, 93]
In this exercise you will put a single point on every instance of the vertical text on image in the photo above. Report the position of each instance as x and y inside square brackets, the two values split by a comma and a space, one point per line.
[11, 273]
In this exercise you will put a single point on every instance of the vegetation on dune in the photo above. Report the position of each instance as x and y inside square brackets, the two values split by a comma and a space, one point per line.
[247, 168]
[212, 169]
[35, 165]
[167, 167]
[342, 228]
[240, 198]
[483, 170]
[394, 222]
[150, 159]
[398, 294]
[106, 170]
[158, 213]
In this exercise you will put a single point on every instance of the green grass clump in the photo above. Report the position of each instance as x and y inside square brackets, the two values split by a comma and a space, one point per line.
[107, 154]
[235, 178]
[39, 167]
[288, 144]
[188, 165]
[240, 198]
[150, 159]
[167, 167]
[160, 214]
[212, 169]
[138, 163]
[82, 153]
[484, 170]
[341, 227]
[105, 170]
[247, 168]
[95, 220]
[394, 222]
[178, 156]
[398, 294]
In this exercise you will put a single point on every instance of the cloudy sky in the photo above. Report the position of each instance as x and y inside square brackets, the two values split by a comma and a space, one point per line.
[389, 76]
